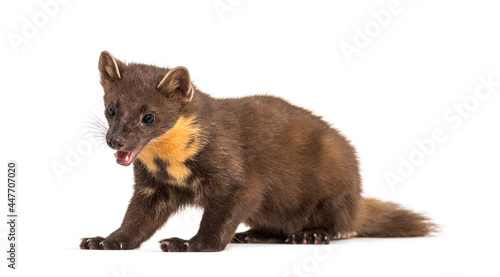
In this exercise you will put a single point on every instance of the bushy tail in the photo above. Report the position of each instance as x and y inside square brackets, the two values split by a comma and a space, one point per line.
[386, 219]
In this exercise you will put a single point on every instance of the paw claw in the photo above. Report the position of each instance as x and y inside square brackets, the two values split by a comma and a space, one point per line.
[304, 238]
[317, 236]
[100, 243]
[174, 245]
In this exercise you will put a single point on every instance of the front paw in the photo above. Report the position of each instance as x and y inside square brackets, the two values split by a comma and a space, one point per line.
[192, 245]
[100, 243]
[174, 245]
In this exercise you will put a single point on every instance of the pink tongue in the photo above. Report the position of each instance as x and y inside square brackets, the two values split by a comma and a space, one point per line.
[121, 155]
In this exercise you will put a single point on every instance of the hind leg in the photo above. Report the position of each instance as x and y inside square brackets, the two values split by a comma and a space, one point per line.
[312, 236]
[328, 221]
[258, 236]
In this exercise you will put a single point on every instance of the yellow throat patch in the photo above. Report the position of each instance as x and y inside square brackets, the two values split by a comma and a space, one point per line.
[175, 146]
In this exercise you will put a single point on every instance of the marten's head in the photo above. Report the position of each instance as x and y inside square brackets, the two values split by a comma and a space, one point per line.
[142, 102]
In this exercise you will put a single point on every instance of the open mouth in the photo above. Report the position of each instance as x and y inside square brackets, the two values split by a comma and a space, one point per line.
[126, 158]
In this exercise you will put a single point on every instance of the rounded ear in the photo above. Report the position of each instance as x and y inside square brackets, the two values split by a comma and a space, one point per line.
[109, 67]
[177, 83]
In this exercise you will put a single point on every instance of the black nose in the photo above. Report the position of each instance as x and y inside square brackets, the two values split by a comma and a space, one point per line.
[116, 143]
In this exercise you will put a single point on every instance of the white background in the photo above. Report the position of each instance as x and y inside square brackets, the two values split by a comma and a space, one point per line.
[397, 88]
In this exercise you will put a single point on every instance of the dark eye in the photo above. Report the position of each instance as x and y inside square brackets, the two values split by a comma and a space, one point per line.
[111, 110]
[148, 119]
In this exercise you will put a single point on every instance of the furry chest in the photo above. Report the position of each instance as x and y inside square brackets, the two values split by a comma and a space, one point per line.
[165, 157]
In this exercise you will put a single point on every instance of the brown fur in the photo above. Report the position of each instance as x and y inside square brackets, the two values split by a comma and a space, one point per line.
[257, 160]
[386, 219]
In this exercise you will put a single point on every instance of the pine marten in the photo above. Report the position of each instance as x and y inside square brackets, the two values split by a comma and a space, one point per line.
[259, 160]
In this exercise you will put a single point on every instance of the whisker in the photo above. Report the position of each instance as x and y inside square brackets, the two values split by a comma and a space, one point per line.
[96, 128]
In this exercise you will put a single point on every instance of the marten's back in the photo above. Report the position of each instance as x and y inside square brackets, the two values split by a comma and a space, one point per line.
[289, 156]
